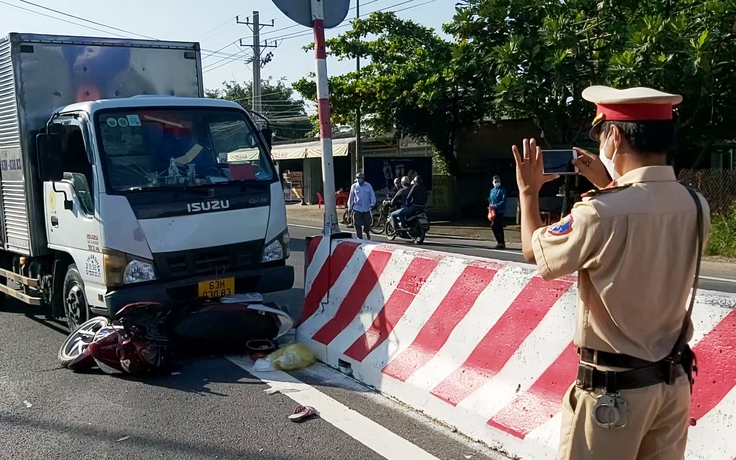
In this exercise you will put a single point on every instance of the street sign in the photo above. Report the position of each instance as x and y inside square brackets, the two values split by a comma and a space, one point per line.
[300, 11]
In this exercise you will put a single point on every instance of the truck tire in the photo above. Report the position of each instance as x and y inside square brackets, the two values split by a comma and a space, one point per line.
[76, 307]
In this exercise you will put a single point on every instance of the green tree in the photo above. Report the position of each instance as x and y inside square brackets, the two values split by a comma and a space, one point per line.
[536, 56]
[408, 86]
[286, 115]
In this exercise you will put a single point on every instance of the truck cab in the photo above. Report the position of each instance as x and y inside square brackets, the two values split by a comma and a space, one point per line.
[161, 198]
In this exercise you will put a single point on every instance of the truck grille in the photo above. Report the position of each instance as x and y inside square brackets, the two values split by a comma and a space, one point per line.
[208, 261]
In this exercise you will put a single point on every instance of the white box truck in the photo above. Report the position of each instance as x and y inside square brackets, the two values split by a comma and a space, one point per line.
[121, 182]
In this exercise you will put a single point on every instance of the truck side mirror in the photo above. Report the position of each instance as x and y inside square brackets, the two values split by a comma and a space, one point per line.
[48, 150]
[268, 136]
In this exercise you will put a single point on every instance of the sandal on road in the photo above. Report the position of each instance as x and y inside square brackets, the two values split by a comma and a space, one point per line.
[302, 413]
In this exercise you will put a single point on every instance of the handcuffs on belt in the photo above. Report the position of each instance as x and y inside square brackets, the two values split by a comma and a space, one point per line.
[607, 411]
[610, 409]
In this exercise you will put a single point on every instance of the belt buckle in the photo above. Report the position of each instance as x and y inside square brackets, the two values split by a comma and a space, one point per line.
[585, 376]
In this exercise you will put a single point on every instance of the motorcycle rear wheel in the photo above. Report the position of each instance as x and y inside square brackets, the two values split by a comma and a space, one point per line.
[418, 230]
[72, 351]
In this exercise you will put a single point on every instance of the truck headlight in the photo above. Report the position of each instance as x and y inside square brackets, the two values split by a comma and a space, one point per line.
[277, 249]
[121, 268]
[137, 271]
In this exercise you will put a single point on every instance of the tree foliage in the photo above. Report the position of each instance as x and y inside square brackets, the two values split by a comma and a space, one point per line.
[286, 115]
[407, 86]
[538, 55]
[533, 58]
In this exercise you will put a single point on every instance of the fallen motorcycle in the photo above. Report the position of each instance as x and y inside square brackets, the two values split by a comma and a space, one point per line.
[142, 337]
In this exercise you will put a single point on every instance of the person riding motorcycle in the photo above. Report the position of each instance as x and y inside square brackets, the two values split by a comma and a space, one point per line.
[397, 187]
[416, 201]
[398, 202]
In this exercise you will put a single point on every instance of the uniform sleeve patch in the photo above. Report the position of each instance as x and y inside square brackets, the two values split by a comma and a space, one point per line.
[563, 227]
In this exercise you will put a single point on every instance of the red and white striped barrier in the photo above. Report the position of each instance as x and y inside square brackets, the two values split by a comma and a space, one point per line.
[484, 345]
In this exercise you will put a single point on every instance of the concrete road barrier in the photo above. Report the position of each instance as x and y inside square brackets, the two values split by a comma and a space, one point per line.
[485, 346]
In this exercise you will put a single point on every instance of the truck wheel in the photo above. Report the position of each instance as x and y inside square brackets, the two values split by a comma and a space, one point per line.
[76, 307]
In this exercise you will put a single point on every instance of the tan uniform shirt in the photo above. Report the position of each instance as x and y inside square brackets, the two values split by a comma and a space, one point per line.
[634, 250]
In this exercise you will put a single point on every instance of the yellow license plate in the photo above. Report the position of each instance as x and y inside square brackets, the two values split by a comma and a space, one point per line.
[217, 288]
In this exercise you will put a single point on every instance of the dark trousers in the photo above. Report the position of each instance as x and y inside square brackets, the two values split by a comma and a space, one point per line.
[362, 224]
[408, 211]
[497, 227]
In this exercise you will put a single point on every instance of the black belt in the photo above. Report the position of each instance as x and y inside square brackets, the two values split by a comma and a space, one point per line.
[642, 374]
[602, 358]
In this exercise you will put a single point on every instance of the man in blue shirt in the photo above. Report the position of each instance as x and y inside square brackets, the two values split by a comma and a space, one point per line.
[497, 201]
[361, 200]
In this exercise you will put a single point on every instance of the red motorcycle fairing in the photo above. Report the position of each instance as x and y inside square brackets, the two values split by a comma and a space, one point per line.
[107, 352]
[116, 353]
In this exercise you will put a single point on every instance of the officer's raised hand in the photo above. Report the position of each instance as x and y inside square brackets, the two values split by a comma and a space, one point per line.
[592, 168]
[529, 168]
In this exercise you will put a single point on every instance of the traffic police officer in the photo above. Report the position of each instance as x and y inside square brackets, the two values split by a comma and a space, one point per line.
[634, 246]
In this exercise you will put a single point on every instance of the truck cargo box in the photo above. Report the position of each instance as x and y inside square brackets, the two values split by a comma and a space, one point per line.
[41, 73]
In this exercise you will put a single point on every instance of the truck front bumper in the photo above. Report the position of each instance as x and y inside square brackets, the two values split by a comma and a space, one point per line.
[262, 280]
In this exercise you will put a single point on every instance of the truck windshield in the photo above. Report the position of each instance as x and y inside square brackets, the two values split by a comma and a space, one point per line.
[151, 148]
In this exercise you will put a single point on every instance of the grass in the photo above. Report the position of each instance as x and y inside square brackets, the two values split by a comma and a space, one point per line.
[722, 240]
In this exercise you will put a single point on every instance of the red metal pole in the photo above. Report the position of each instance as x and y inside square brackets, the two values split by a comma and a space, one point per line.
[325, 126]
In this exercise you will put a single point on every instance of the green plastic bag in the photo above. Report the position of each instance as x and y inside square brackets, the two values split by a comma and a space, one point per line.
[292, 357]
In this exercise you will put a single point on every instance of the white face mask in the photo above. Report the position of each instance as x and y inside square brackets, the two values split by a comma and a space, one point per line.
[608, 163]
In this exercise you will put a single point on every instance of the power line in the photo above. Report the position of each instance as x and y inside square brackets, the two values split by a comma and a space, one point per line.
[83, 19]
[289, 36]
[57, 19]
[66, 21]
[228, 60]
[215, 28]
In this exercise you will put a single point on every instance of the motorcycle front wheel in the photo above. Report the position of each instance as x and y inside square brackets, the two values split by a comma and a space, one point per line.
[390, 232]
[378, 224]
[347, 219]
[72, 353]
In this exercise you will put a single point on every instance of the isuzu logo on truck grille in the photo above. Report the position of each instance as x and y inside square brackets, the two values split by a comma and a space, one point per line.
[213, 205]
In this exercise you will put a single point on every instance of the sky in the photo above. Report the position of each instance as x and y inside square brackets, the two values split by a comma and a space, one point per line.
[211, 23]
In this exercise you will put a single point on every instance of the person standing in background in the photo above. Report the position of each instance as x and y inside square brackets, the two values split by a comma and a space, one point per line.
[360, 202]
[497, 200]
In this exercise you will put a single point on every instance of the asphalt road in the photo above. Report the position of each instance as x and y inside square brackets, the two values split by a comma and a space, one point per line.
[211, 409]
[715, 277]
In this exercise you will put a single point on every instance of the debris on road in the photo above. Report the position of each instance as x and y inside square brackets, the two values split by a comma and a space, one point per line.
[27, 404]
[302, 413]
[289, 358]
[292, 357]
[123, 438]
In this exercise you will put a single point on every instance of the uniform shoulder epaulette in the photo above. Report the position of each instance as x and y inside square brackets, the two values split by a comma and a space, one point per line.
[603, 191]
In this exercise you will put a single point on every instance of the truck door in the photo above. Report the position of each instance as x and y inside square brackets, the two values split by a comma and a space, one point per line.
[71, 222]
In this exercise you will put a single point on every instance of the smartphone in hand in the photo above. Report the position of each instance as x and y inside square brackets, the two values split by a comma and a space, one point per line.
[559, 162]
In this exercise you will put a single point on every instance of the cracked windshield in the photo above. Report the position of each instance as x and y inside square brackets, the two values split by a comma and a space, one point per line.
[145, 149]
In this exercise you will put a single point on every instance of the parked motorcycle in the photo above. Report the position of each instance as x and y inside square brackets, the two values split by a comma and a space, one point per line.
[142, 337]
[417, 228]
[380, 217]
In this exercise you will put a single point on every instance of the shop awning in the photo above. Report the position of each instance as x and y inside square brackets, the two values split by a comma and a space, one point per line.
[302, 150]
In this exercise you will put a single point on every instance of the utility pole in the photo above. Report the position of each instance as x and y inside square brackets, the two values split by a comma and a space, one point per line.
[257, 61]
[358, 147]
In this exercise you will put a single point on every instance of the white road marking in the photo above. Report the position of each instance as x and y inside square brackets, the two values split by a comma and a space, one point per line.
[364, 430]
[505, 251]
[713, 278]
